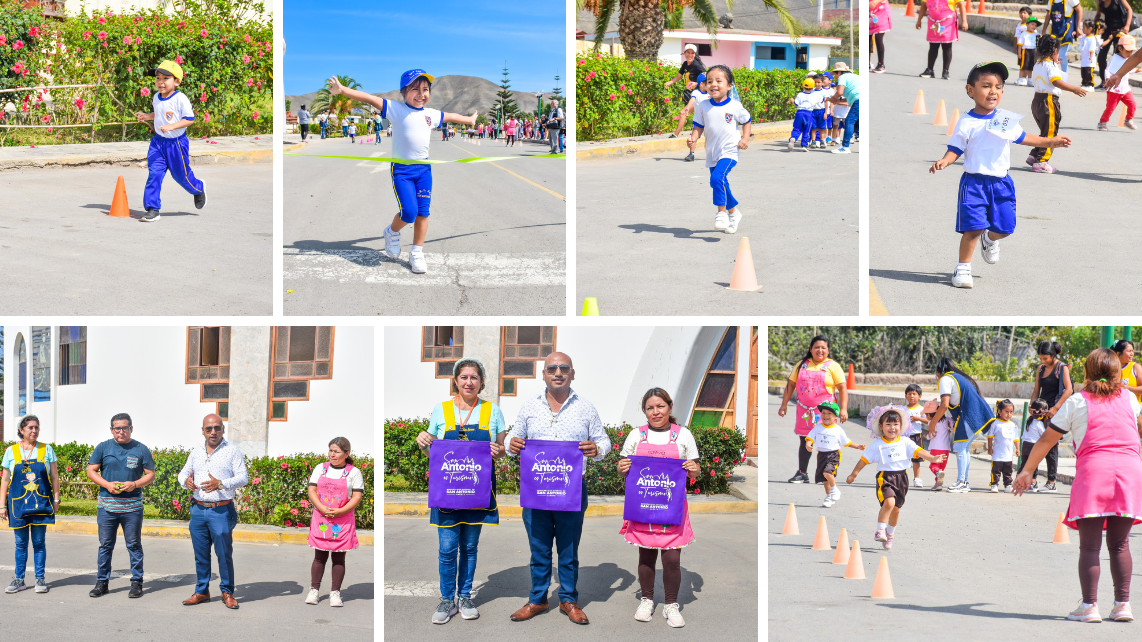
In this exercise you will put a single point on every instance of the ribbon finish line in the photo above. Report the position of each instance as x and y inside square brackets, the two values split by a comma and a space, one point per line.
[404, 161]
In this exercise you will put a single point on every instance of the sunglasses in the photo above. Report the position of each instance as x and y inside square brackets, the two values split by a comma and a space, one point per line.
[212, 428]
[561, 367]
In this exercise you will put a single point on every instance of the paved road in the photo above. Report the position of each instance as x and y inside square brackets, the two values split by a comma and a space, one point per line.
[60, 254]
[496, 244]
[646, 243]
[271, 584]
[980, 565]
[719, 592]
[1065, 221]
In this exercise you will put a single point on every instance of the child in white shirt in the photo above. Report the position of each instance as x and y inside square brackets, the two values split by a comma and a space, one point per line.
[1002, 444]
[718, 119]
[1088, 49]
[1036, 426]
[1020, 29]
[1027, 42]
[1121, 92]
[828, 438]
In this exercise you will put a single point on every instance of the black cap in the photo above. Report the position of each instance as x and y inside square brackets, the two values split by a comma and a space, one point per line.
[993, 67]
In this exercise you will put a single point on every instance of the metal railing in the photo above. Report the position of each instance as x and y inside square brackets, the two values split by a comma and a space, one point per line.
[94, 110]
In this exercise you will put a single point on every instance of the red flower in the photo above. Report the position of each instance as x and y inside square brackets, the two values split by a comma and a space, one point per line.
[711, 473]
[697, 491]
[616, 447]
[19, 44]
[692, 480]
[637, 101]
[69, 469]
[102, 20]
[293, 511]
[612, 96]
[257, 480]
[144, 92]
[102, 35]
[255, 115]
[727, 475]
[667, 99]
[34, 32]
[178, 59]
[288, 523]
[715, 460]
[203, 33]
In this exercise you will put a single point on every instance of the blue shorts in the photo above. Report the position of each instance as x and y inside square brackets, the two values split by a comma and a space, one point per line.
[985, 203]
[819, 119]
[412, 185]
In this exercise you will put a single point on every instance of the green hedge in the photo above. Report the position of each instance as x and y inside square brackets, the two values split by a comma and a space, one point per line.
[720, 449]
[276, 495]
[620, 97]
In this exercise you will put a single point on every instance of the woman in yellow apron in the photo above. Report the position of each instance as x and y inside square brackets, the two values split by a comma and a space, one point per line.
[1131, 371]
[29, 485]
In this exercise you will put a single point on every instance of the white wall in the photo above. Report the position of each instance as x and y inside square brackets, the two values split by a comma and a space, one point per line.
[819, 56]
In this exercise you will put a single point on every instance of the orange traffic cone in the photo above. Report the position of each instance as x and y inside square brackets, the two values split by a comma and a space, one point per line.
[1122, 116]
[119, 208]
[1061, 536]
[952, 123]
[744, 278]
[855, 568]
[967, 6]
[941, 115]
[882, 586]
[821, 541]
[842, 554]
[919, 107]
[980, 11]
[851, 380]
[910, 10]
[791, 522]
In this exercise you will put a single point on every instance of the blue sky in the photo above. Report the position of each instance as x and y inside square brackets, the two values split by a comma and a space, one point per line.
[472, 38]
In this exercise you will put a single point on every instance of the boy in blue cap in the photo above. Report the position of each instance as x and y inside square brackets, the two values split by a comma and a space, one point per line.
[412, 124]
[170, 148]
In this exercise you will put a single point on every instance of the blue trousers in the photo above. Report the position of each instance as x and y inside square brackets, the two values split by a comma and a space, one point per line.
[564, 528]
[213, 527]
[458, 543]
[109, 523]
[850, 123]
[173, 155]
[323, 134]
[38, 534]
[803, 126]
[719, 175]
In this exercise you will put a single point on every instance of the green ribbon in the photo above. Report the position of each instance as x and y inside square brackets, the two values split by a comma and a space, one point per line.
[404, 161]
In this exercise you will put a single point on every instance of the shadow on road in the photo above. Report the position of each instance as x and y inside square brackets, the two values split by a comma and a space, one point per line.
[516, 582]
[503, 229]
[972, 609]
[678, 232]
[913, 277]
[361, 591]
[258, 591]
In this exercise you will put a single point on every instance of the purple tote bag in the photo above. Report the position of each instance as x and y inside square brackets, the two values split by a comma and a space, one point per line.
[459, 474]
[655, 491]
[551, 475]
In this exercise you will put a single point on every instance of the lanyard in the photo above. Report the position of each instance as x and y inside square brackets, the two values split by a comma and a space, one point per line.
[474, 406]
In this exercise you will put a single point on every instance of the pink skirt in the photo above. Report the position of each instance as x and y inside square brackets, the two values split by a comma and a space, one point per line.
[1107, 484]
[949, 31]
[658, 535]
[880, 19]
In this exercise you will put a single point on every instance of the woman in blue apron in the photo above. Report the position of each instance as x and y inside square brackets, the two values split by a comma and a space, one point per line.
[960, 398]
[29, 483]
[1063, 23]
[465, 417]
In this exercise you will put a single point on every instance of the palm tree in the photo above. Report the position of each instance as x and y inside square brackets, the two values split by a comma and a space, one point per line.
[641, 21]
[338, 104]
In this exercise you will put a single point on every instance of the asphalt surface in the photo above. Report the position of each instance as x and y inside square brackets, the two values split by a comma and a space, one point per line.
[60, 254]
[646, 243]
[718, 595]
[1067, 222]
[974, 566]
[271, 583]
[497, 237]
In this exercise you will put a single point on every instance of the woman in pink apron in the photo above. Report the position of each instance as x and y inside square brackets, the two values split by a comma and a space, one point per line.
[661, 437]
[1102, 421]
[335, 489]
[879, 23]
[943, 29]
[816, 379]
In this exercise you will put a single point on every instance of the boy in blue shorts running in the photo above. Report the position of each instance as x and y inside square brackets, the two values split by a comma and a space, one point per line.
[412, 124]
[170, 148]
[985, 207]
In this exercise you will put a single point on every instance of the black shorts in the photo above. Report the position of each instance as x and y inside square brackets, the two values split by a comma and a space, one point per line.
[827, 462]
[891, 483]
[1028, 60]
[919, 439]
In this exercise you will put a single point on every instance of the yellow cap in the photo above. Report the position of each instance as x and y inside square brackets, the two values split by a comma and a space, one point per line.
[808, 83]
[170, 68]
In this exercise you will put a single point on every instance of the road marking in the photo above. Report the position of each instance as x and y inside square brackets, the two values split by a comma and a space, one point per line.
[456, 269]
[555, 194]
[147, 577]
[875, 305]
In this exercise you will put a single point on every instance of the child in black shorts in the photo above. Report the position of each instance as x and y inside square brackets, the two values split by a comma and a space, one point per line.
[828, 438]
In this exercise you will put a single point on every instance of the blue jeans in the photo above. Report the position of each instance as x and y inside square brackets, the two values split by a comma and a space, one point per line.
[213, 527]
[1063, 64]
[38, 534]
[565, 528]
[719, 180]
[963, 459]
[461, 542]
[850, 123]
[109, 523]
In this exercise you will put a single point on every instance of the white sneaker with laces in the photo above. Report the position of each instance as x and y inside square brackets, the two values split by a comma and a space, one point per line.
[392, 244]
[721, 220]
[416, 263]
[673, 617]
[989, 249]
[880, 536]
[645, 610]
[917, 483]
[1121, 612]
[312, 598]
[994, 488]
[335, 598]
[961, 277]
[835, 494]
[1085, 613]
[735, 217]
[827, 502]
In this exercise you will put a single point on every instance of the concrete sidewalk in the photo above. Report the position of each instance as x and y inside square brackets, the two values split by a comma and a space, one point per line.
[659, 143]
[177, 529]
[224, 150]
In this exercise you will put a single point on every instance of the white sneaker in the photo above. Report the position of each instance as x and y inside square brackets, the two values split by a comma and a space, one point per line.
[1007, 489]
[994, 488]
[790, 143]
[645, 610]
[1121, 612]
[312, 598]
[917, 483]
[735, 217]
[836, 494]
[392, 244]
[335, 598]
[721, 220]
[989, 250]
[1085, 614]
[673, 617]
[828, 502]
[416, 263]
[961, 278]
[842, 150]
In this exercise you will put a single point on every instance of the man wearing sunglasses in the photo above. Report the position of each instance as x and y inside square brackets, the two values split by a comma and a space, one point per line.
[121, 467]
[557, 414]
[213, 472]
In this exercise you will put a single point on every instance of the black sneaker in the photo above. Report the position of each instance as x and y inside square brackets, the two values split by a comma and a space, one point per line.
[151, 216]
[674, 135]
[878, 70]
[799, 478]
[945, 76]
[136, 589]
[200, 200]
[1049, 487]
[689, 157]
[928, 73]
[100, 589]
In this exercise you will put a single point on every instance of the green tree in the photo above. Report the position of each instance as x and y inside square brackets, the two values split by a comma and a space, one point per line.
[504, 106]
[338, 104]
[557, 93]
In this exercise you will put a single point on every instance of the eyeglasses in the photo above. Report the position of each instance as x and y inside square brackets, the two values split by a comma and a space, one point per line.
[121, 428]
[212, 428]
[561, 367]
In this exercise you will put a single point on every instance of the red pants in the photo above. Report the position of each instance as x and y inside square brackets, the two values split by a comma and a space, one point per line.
[1112, 100]
[936, 467]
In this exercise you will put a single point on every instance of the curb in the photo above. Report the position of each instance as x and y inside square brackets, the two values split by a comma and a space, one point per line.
[221, 157]
[768, 131]
[597, 510]
[243, 533]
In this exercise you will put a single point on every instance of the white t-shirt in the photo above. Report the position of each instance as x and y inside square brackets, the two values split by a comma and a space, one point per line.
[1020, 29]
[1033, 431]
[983, 153]
[948, 384]
[819, 96]
[687, 447]
[719, 122]
[1088, 47]
[891, 455]
[828, 439]
[943, 438]
[1072, 416]
[1112, 67]
[915, 427]
[413, 128]
[699, 96]
[355, 479]
[170, 110]
[1004, 434]
[804, 100]
[1044, 73]
[1029, 39]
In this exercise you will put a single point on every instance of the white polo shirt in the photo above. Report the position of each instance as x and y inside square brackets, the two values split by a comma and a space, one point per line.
[1044, 74]
[1004, 434]
[170, 110]
[719, 121]
[412, 128]
[984, 150]
[828, 439]
[891, 455]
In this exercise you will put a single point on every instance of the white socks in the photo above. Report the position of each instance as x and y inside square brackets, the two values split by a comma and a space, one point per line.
[890, 529]
[987, 240]
[881, 525]
[417, 249]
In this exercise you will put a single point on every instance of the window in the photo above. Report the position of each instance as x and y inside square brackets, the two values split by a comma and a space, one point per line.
[770, 53]
[301, 353]
[521, 346]
[72, 355]
[208, 354]
[703, 49]
[443, 344]
[22, 359]
[716, 396]
[42, 363]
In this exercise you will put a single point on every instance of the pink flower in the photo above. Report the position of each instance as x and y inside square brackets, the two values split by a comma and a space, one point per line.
[622, 87]
[130, 69]
[102, 20]
[629, 92]
[293, 511]
[102, 35]
[616, 447]
[21, 69]
[203, 33]
[144, 92]
[692, 480]
[716, 460]
[178, 59]
[4, 40]
[138, 40]
[223, 38]
[257, 480]
[214, 89]
[255, 115]
[304, 504]
[69, 469]
[711, 473]
[202, 98]
[727, 475]
[47, 118]
[175, 502]
[19, 44]
[126, 40]
[246, 58]
[638, 101]
[247, 38]
[612, 96]
[87, 35]
[288, 523]
[249, 82]
[203, 86]
[285, 465]
[34, 32]
[269, 47]
[697, 491]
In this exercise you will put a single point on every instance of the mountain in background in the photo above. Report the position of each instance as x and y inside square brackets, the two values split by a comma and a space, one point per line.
[456, 94]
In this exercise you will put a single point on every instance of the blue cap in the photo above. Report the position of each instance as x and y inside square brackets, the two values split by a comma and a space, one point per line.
[407, 77]
[827, 75]
[701, 78]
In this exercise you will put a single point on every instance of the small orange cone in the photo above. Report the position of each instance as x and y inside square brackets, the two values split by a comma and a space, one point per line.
[119, 208]
[821, 541]
[855, 568]
[882, 587]
[851, 380]
[1061, 536]
[952, 123]
[980, 11]
[941, 115]
[1122, 116]
[910, 10]
[842, 554]
[919, 107]
[744, 278]
[967, 6]
[791, 522]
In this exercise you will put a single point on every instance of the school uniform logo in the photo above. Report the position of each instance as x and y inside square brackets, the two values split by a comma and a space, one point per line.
[170, 116]
[729, 118]
[427, 120]
[132, 461]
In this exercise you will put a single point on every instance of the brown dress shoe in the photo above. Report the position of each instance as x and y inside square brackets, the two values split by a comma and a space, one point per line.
[197, 598]
[573, 612]
[528, 611]
[229, 601]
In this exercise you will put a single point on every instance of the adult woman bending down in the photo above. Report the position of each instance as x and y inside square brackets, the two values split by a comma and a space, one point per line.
[816, 379]
[1102, 421]
[1053, 385]
[335, 490]
[960, 398]
[29, 485]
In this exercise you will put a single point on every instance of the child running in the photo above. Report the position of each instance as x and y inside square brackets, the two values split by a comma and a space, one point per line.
[803, 120]
[1047, 78]
[827, 438]
[1032, 432]
[1123, 49]
[985, 207]
[1002, 444]
[718, 118]
[352, 132]
[170, 148]
[412, 182]
[1028, 41]
[1088, 49]
[916, 427]
[890, 452]
[939, 441]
